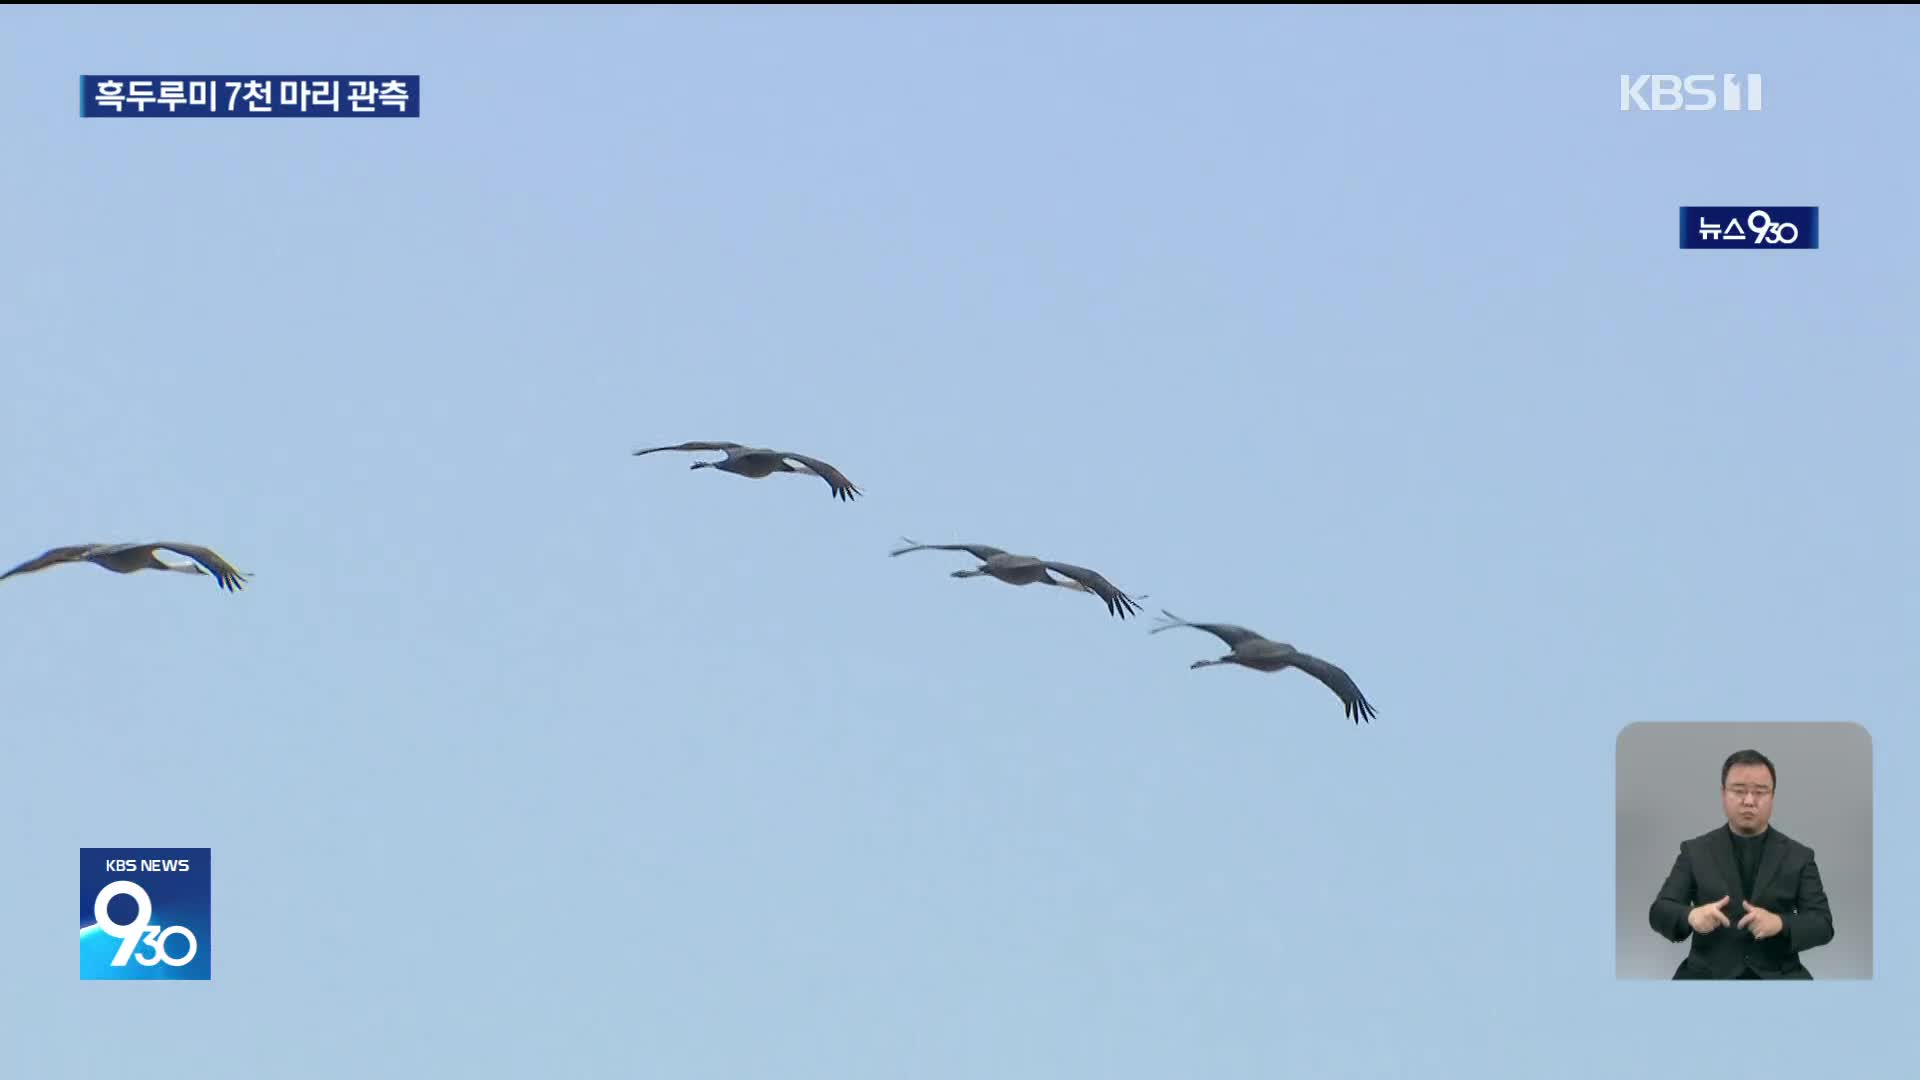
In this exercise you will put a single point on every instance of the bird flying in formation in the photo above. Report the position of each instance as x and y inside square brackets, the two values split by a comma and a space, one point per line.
[1027, 570]
[1253, 651]
[757, 463]
[128, 558]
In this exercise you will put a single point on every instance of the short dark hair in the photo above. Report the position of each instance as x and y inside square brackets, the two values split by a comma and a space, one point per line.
[1747, 757]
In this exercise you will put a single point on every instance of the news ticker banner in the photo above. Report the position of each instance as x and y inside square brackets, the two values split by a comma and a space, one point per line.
[1755, 228]
[250, 95]
[146, 913]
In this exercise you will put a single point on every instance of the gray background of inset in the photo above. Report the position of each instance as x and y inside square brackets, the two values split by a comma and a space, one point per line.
[1667, 789]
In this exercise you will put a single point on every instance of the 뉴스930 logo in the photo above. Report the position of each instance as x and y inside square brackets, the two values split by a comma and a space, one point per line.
[1691, 93]
[141, 930]
[145, 913]
[1753, 228]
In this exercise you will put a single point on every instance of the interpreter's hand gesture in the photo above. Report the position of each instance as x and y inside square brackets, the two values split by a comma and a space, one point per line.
[1707, 918]
[1762, 922]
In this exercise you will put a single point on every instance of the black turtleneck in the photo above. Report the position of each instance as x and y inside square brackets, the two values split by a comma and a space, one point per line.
[1746, 852]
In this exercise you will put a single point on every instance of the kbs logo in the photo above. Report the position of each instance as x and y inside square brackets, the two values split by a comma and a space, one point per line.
[1689, 93]
[145, 913]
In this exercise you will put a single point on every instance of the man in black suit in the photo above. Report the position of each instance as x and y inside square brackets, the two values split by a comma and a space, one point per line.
[1750, 872]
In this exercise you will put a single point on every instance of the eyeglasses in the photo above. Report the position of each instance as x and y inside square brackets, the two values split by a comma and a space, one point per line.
[1742, 792]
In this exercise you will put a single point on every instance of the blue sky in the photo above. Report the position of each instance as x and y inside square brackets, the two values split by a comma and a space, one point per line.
[1362, 328]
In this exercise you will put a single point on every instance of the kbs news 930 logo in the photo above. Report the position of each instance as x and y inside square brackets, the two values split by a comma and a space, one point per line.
[146, 913]
[1750, 228]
